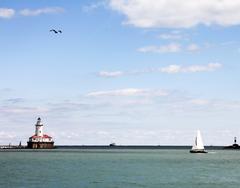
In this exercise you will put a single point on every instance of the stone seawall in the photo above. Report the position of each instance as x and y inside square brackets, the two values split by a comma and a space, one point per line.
[40, 145]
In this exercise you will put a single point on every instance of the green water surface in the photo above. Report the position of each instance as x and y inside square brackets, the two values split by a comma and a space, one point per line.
[121, 168]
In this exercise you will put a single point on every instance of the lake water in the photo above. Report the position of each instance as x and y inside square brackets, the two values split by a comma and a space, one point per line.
[121, 168]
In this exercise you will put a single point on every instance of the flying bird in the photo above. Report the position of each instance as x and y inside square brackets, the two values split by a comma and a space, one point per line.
[53, 30]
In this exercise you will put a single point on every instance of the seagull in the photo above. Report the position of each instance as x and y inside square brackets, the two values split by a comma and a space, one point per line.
[53, 30]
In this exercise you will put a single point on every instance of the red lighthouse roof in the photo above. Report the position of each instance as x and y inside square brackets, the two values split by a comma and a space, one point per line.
[44, 136]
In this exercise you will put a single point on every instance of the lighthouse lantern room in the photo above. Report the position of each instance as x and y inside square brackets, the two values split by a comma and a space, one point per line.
[40, 140]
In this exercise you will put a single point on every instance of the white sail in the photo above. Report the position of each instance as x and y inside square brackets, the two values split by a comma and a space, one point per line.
[198, 143]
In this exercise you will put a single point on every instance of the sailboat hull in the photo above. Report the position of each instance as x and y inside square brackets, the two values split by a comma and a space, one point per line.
[198, 151]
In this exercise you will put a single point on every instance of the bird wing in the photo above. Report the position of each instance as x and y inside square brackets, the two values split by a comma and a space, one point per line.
[53, 30]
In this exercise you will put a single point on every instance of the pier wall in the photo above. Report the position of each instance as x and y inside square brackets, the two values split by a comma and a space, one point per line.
[40, 145]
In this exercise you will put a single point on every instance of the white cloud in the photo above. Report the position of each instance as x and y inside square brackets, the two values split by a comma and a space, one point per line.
[110, 74]
[193, 47]
[93, 6]
[170, 36]
[199, 102]
[36, 12]
[129, 92]
[169, 48]
[171, 69]
[6, 13]
[121, 92]
[21, 110]
[178, 14]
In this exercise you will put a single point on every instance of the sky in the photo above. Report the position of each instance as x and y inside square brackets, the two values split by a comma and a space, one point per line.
[133, 72]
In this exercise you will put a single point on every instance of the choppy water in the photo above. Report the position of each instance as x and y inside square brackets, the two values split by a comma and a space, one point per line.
[120, 169]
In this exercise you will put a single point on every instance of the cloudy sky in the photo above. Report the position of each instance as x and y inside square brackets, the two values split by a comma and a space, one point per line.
[125, 71]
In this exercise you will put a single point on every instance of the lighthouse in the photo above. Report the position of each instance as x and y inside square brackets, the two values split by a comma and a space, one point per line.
[39, 128]
[40, 140]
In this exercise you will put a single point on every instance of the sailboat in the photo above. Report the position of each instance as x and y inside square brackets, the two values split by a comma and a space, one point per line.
[198, 146]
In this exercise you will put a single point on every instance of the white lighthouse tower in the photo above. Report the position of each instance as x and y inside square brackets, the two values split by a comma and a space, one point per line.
[40, 140]
[39, 128]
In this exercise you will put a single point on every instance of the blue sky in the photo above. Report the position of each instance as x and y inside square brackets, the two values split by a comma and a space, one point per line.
[130, 72]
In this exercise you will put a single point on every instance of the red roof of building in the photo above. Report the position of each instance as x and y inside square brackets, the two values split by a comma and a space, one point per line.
[44, 136]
